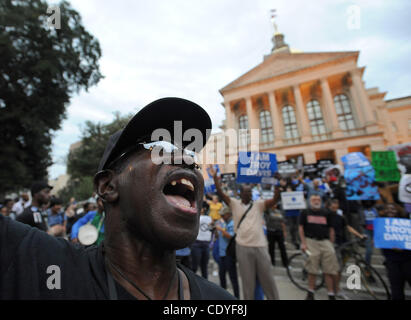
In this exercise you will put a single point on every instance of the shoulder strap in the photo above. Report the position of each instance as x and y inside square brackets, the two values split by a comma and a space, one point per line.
[245, 213]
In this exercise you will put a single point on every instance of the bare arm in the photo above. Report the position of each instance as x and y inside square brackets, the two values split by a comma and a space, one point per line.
[332, 235]
[284, 230]
[220, 191]
[271, 202]
[302, 237]
[225, 233]
[355, 232]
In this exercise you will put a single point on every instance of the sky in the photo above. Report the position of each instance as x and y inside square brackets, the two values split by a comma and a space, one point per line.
[192, 49]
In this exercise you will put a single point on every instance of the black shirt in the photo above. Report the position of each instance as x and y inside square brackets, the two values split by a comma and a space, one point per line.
[339, 223]
[26, 255]
[33, 217]
[316, 223]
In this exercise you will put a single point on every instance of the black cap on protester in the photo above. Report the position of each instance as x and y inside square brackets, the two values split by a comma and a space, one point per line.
[158, 114]
[37, 186]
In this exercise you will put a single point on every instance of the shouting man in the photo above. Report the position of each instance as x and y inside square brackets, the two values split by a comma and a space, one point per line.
[152, 208]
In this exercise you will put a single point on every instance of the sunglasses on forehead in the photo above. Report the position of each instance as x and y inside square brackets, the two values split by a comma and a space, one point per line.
[163, 148]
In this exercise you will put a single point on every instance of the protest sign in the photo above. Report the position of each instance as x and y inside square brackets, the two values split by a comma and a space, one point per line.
[324, 164]
[209, 185]
[256, 167]
[355, 160]
[385, 166]
[392, 233]
[287, 168]
[227, 176]
[361, 184]
[404, 188]
[293, 200]
[310, 168]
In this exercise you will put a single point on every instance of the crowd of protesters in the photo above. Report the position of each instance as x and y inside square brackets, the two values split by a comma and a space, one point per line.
[49, 214]
[329, 221]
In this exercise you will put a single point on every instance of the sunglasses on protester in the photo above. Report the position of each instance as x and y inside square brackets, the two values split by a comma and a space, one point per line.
[163, 148]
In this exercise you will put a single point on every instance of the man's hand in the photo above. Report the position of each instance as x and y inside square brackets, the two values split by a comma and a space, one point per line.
[75, 240]
[56, 230]
[212, 171]
[303, 246]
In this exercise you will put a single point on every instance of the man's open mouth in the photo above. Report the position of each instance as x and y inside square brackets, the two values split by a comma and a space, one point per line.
[180, 192]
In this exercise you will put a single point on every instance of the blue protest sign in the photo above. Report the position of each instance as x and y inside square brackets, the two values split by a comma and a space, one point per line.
[355, 160]
[392, 233]
[216, 168]
[209, 186]
[256, 167]
[361, 184]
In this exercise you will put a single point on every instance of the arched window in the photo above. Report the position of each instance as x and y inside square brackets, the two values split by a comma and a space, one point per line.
[290, 125]
[243, 124]
[315, 116]
[344, 112]
[266, 127]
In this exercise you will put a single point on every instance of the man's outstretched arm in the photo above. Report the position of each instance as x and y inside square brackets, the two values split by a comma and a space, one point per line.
[273, 201]
[220, 191]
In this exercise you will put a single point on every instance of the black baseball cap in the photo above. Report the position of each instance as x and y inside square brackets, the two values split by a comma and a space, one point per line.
[37, 186]
[159, 114]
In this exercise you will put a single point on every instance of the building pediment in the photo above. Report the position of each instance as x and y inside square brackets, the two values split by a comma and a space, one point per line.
[285, 62]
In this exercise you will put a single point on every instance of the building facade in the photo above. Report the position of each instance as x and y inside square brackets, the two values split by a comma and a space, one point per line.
[313, 105]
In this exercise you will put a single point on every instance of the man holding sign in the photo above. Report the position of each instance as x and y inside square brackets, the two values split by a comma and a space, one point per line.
[391, 233]
[251, 243]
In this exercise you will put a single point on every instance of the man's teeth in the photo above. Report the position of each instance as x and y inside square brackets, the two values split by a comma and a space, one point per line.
[188, 184]
[185, 182]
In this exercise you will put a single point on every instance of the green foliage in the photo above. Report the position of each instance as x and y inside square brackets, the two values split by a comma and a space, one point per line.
[84, 160]
[40, 68]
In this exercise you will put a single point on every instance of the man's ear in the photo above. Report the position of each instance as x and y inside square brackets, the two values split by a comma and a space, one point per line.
[106, 186]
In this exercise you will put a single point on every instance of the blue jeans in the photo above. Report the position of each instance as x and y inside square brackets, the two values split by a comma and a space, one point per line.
[200, 253]
[369, 245]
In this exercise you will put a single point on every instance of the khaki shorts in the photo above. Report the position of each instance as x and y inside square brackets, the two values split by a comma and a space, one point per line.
[322, 255]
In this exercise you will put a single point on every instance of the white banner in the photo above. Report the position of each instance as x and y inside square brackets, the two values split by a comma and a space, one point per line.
[293, 200]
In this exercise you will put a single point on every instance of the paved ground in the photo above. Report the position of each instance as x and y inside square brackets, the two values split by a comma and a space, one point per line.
[288, 291]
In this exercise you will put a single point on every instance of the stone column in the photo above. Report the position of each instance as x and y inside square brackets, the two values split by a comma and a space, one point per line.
[302, 116]
[365, 105]
[332, 119]
[253, 126]
[385, 119]
[251, 114]
[356, 106]
[276, 120]
[230, 117]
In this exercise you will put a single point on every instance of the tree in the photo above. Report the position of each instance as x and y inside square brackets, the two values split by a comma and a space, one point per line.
[40, 69]
[82, 162]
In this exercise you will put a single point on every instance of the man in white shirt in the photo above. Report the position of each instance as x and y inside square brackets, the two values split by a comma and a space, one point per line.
[251, 243]
[200, 250]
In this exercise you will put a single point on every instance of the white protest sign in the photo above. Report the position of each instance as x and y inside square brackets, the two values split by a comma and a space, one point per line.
[293, 200]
